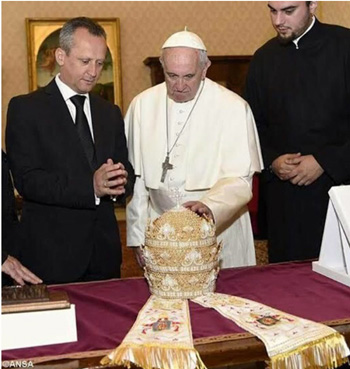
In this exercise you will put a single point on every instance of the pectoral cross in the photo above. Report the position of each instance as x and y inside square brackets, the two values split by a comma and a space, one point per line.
[166, 166]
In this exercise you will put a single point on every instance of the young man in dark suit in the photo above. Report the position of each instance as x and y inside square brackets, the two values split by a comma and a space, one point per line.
[12, 269]
[68, 154]
[298, 87]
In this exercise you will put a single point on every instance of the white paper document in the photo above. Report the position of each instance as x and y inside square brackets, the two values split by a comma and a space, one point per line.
[334, 261]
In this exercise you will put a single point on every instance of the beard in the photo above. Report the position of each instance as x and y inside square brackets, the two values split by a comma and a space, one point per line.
[284, 40]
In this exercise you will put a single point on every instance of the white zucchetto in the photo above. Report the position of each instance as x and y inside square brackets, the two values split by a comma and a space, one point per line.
[184, 39]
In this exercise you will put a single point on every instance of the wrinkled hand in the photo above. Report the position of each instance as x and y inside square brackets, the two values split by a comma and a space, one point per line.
[110, 179]
[139, 256]
[18, 272]
[306, 172]
[199, 208]
[284, 165]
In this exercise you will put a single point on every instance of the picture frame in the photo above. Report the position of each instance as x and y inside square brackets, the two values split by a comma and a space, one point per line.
[42, 41]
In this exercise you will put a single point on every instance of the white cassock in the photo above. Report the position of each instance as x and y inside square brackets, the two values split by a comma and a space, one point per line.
[214, 158]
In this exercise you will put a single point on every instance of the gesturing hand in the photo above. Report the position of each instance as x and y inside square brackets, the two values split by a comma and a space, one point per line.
[110, 179]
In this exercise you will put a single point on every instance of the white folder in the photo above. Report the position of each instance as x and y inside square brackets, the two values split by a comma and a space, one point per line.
[37, 328]
[334, 260]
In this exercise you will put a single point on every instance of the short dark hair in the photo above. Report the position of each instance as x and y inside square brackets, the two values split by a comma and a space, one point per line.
[308, 3]
[68, 29]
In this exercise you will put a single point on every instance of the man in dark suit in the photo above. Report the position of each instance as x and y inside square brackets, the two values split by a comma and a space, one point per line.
[11, 267]
[69, 161]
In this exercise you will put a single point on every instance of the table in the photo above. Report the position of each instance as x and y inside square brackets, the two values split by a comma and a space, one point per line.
[106, 311]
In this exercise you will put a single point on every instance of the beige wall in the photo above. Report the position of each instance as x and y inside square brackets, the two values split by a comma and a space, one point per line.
[336, 12]
[228, 28]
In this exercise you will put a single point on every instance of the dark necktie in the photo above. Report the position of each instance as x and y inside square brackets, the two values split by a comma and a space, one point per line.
[83, 130]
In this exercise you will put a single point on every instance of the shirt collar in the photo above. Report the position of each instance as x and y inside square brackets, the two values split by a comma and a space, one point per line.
[65, 90]
[296, 41]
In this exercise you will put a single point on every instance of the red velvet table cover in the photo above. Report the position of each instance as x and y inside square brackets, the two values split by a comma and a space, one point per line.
[106, 310]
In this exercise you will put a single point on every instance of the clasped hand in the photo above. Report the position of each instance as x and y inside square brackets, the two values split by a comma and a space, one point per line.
[110, 179]
[301, 170]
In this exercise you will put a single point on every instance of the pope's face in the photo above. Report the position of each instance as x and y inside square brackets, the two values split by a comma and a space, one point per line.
[183, 72]
[81, 68]
[291, 18]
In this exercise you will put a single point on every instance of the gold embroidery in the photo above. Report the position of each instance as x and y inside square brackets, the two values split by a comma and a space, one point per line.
[181, 255]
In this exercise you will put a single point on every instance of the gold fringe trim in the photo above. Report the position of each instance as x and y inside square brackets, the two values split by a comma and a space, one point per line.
[325, 353]
[154, 356]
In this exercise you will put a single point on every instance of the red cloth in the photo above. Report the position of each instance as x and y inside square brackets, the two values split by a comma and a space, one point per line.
[106, 310]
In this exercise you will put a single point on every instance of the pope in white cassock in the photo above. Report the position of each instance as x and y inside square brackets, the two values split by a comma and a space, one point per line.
[192, 139]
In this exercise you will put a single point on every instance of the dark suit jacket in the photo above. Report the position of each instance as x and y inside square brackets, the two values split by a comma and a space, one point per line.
[11, 231]
[63, 227]
[9, 220]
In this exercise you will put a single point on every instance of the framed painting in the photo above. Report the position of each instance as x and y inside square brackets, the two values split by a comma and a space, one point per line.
[42, 41]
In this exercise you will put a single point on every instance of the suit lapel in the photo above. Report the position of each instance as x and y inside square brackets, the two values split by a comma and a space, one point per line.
[57, 102]
[61, 114]
[101, 138]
